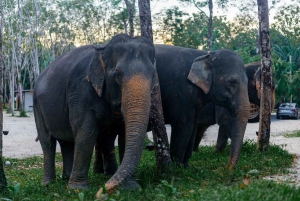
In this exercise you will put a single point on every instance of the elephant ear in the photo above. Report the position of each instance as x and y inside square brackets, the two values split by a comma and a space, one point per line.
[201, 73]
[96, 70]
[257, 82]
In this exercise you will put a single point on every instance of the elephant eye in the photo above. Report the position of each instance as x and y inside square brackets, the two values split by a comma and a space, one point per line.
[231, 86]
[118, 75]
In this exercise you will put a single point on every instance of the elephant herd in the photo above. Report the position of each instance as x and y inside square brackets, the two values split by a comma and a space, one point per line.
[87, 96]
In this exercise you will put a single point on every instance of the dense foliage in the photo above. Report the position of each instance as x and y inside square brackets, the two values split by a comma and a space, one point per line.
[37, 31]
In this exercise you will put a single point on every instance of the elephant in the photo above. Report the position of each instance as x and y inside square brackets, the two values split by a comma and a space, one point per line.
[189, 79]
[212, 114]
[90, 88]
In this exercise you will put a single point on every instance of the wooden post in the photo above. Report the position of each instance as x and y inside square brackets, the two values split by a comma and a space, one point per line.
[266, 77]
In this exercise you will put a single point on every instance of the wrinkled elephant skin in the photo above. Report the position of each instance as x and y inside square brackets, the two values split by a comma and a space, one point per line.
[189, 79]
[212, 114]
[86, 90]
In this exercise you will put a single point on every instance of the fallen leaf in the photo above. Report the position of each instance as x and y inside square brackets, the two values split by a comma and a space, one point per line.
[247, 180]
[98, 194]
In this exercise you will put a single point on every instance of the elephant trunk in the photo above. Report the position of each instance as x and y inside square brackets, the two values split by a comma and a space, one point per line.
[239, 123]
[136, 102]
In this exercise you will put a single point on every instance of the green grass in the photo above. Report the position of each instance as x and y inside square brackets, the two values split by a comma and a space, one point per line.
[295, 134]
[23, 114]
[206, 179]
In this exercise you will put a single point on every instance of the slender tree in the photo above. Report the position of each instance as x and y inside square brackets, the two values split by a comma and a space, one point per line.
[19, 56]
[131, 11]
[3, 182]
[266, 76]
[145, 19]
[160, 138]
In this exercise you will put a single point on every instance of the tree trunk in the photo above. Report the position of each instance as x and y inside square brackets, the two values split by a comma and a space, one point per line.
[3, 182]
[12, 88]
[131, 12]
[19, 57]
[124, 23]
[145, 19]
[209, 26]
[266, 77]
[160, 138]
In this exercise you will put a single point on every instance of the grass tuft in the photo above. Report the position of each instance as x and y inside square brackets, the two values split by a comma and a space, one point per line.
[295, 134]
[207, 178]
[23, 114]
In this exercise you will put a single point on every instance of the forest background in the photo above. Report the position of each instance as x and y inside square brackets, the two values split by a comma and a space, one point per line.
[35, 32]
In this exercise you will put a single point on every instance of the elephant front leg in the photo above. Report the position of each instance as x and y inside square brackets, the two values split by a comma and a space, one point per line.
[190, 147]
[180, 139]
[223, 135]
[84, 144]
[49, 148]
[67, 151]
[200, 133]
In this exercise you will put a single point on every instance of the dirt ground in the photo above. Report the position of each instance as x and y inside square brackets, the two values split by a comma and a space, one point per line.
[20, 141]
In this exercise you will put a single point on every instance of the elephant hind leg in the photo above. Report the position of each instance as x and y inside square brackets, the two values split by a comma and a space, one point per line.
[48, 144]
[49, 149]
[109, 156]
[98, 166]
[67, 151]
[105, 157]
[223, 135]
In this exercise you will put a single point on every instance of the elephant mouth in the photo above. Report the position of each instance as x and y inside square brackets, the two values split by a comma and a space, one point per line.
[116, 111]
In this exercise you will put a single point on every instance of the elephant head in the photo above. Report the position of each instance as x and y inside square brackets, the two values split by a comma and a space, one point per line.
[221, 75]
[125, 78]
[253, 71]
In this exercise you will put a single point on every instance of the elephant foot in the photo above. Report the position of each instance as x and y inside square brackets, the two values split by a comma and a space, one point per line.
[66, 177]
[220, 148]
[77, 185]
[98, 169]
[46, 181]
[110, 170]
[186, 165]
[130, 184]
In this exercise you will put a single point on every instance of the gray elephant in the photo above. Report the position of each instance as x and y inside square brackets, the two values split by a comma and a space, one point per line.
[90, 88]
[212, 114]
[191, 78]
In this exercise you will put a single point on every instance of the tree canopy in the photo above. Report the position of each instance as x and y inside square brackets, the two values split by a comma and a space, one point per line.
[36, 32]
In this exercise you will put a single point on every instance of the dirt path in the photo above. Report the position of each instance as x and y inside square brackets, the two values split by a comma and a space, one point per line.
[20, 142]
